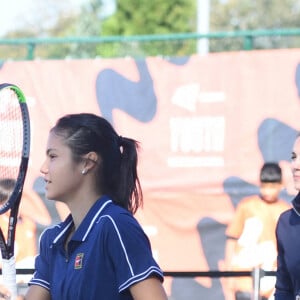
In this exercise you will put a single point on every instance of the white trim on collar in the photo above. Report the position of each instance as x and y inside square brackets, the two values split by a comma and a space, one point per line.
[63, 232]
[94, 219]
[89, 228]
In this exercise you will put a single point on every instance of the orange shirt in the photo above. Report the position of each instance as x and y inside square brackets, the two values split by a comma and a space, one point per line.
[253, 225]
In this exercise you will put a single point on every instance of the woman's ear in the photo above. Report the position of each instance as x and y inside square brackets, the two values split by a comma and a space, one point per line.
[90, 161]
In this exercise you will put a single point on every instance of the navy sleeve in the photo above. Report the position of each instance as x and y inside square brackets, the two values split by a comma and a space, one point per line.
[41, 274]
[283, 286]
[129, 251]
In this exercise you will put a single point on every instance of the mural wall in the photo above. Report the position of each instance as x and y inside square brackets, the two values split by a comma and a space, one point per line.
[205, 124]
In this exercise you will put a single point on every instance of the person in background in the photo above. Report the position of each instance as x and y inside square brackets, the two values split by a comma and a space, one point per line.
[251, 240]
[287, 285]
[25, 242]
[100, 251]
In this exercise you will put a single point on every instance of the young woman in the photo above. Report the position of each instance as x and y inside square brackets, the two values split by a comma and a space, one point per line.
[100, 251]
[288, 242]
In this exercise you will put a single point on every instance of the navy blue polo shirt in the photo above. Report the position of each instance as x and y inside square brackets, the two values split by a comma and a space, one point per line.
[107, 254]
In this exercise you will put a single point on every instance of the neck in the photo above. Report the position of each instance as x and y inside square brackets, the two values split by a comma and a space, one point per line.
[81, 207]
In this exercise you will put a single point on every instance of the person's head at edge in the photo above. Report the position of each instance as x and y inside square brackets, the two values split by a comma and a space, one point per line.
[295, 163]
[270, 181]
[84, 149]
[6, 188]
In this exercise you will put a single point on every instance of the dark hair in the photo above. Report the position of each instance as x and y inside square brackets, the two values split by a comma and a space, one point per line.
[117, 174]
[270, 172]
[6, 188]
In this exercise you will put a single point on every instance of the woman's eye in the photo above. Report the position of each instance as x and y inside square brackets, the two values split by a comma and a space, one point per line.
[293, 157]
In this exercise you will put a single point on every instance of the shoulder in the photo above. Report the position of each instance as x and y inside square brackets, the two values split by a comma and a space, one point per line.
[286, 217]
[114, 214]
[117, 228]
[117, 212]
[119, 220]
[250, 200]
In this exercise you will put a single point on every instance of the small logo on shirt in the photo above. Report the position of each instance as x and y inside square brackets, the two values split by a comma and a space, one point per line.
[78, 261]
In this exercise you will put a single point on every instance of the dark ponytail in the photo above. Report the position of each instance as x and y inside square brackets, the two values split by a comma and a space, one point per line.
[129, 187]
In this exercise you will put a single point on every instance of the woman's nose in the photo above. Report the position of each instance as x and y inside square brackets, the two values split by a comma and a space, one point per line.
[44, 168]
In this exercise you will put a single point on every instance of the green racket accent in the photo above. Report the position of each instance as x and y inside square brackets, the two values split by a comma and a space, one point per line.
[19, 93]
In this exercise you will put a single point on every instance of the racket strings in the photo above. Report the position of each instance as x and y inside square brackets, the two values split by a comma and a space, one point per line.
[11, 139]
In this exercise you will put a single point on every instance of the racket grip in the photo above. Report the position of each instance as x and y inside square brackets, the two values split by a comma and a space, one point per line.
[9, 277]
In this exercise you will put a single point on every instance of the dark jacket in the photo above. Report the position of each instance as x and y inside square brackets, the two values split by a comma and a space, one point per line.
[288, 244]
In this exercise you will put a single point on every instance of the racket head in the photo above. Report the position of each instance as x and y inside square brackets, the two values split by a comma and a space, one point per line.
[14, 144]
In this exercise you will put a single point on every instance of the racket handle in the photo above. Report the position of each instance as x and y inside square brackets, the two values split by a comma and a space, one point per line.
[9, 277]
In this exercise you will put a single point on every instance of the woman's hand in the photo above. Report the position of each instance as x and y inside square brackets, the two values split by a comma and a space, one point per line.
[4, 293]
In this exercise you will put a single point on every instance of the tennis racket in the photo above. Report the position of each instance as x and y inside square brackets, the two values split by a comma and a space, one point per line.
[14, 155]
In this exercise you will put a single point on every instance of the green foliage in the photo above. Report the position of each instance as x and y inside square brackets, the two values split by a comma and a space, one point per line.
[236, 15]
[135, 17]
[150, 17]
[142, 17]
